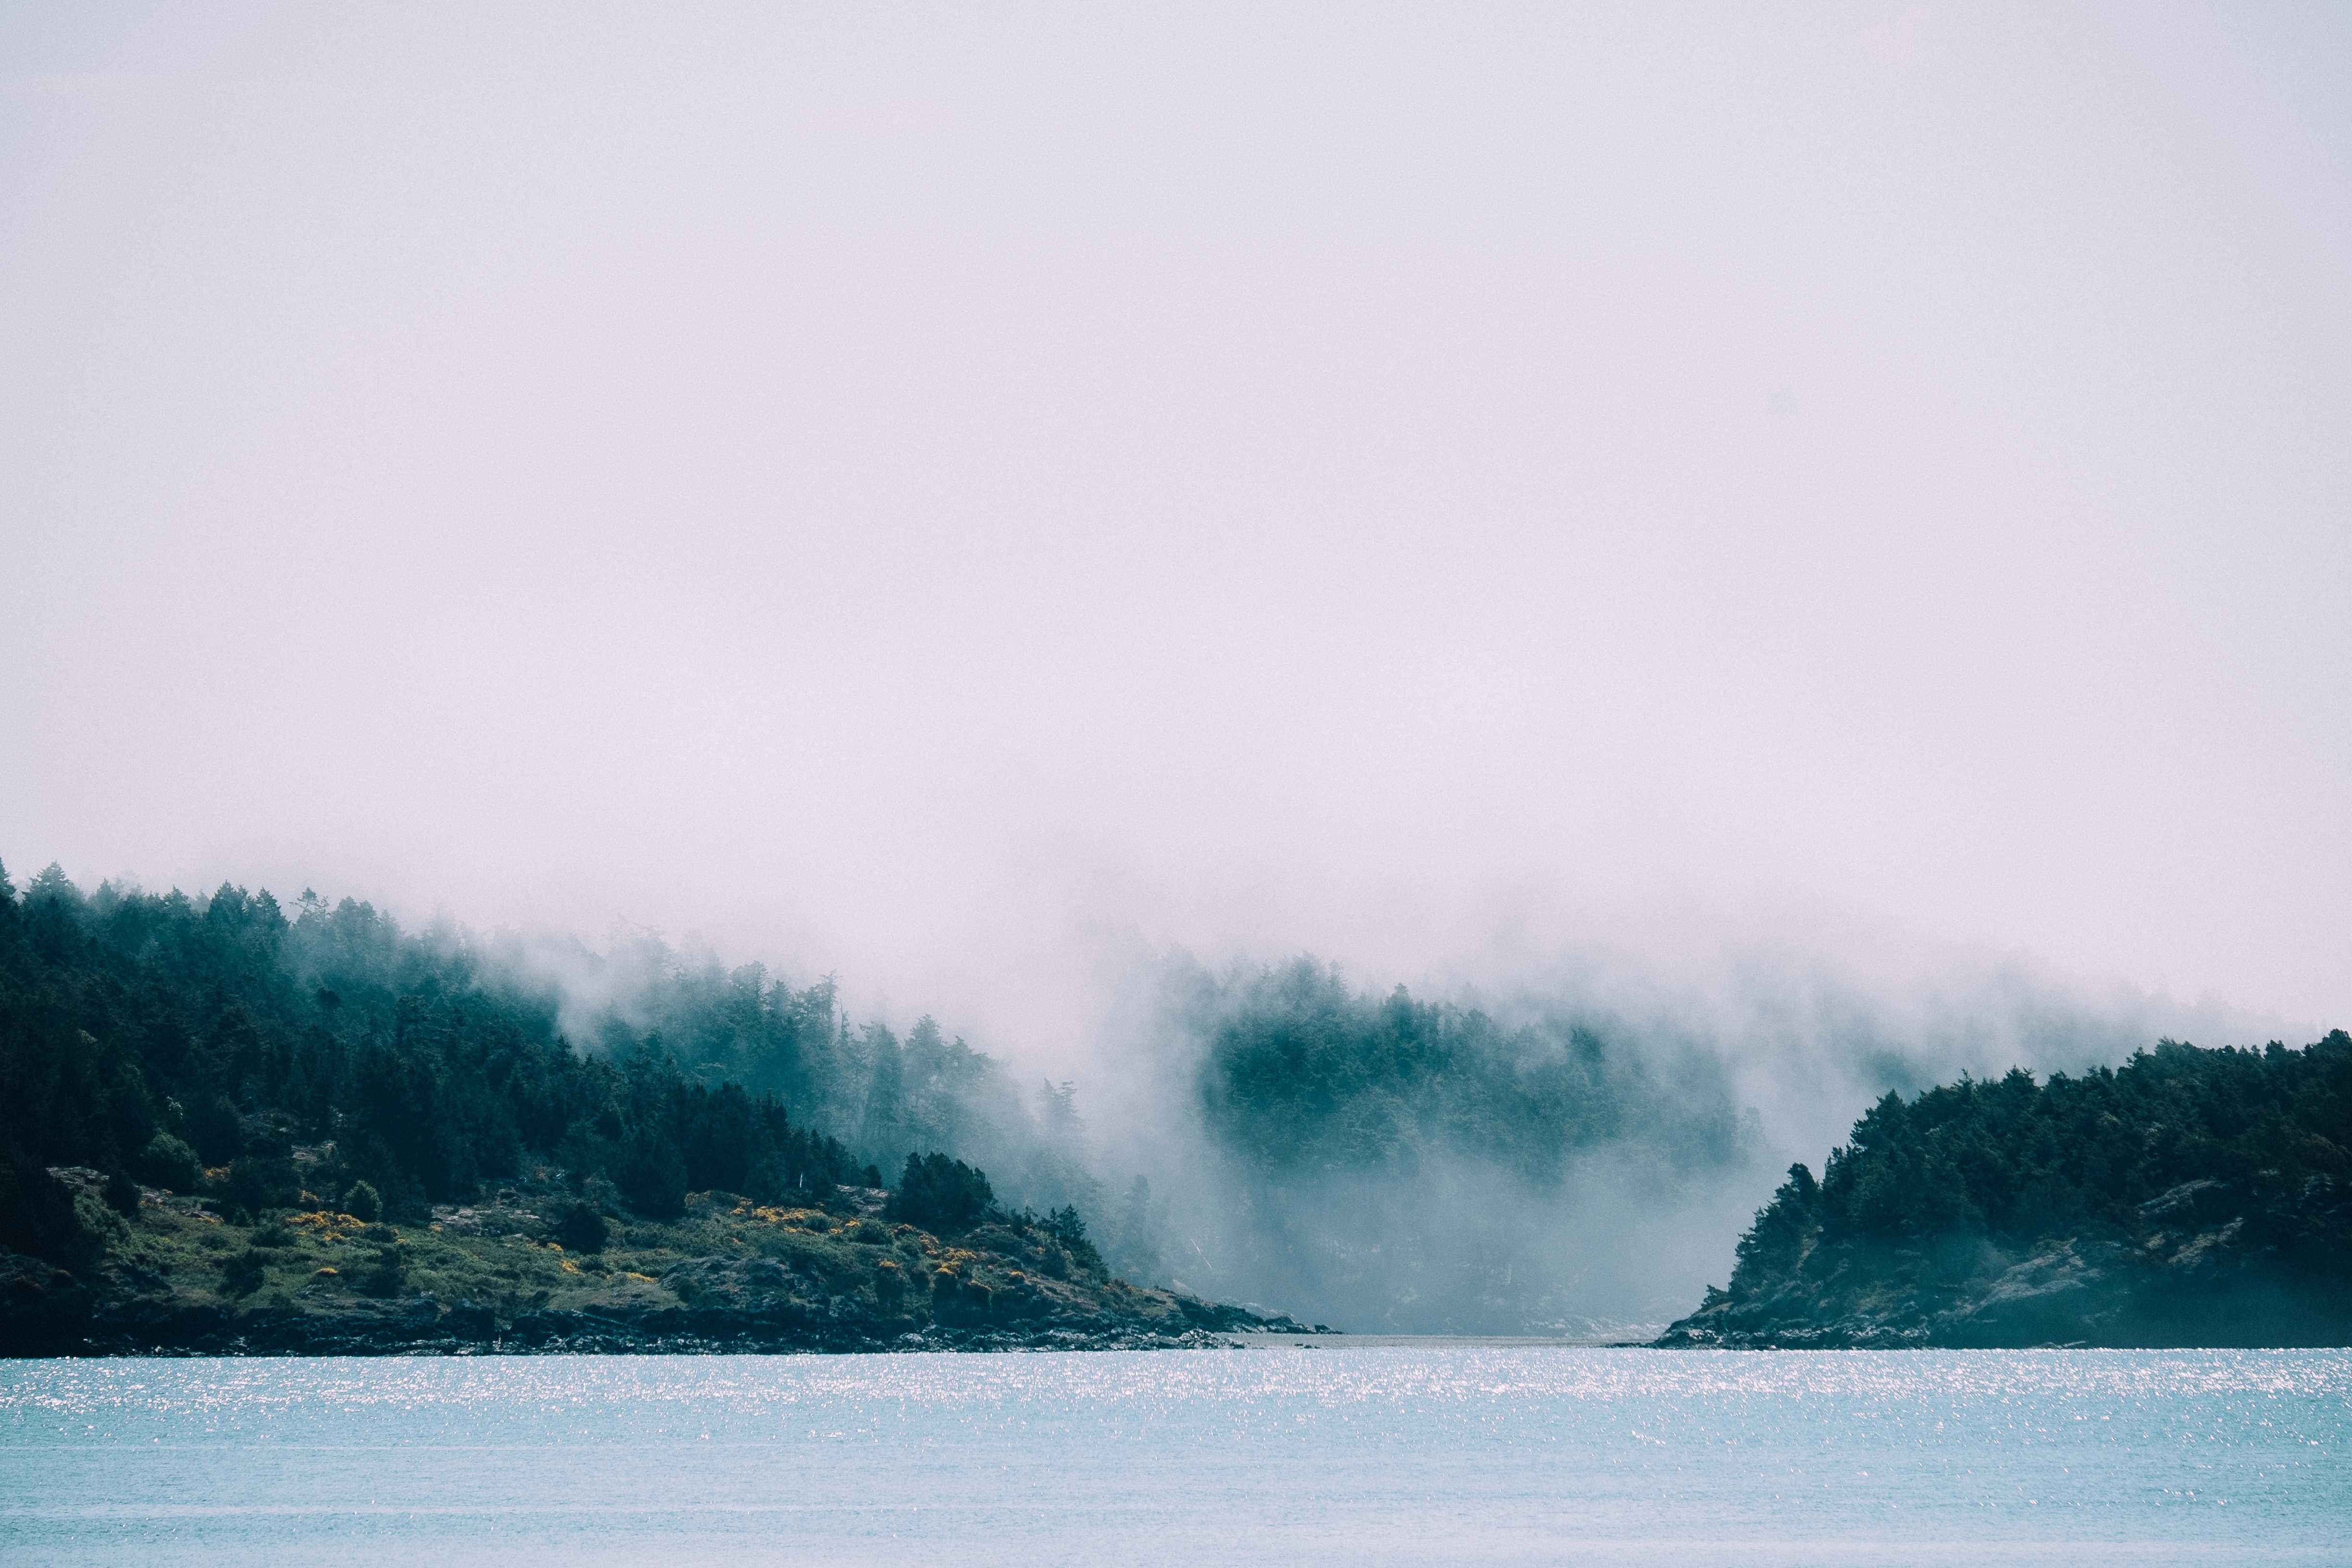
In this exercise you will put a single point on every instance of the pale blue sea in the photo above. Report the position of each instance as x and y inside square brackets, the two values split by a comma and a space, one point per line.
[1429, 1453]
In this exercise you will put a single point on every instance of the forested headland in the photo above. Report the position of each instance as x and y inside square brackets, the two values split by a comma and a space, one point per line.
[2188, 1198]
[229, 1123]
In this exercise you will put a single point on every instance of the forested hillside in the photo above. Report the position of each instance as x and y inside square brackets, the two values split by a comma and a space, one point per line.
[1304, 1076]
[885, 1096]
[148, 1037]
[1366, 1156]
[2189, 1196]
[230, 1127]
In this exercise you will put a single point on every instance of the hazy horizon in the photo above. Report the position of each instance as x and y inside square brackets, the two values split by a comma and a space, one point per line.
[980, 505]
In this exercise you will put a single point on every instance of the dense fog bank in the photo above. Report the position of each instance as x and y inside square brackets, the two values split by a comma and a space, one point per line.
[1570, 1151]
[1567, 1152]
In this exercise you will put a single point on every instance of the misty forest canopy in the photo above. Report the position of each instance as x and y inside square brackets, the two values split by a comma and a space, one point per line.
[1309, 1078]
[1426, 1166]
[1361, 1156]
[156, 1035]
[159, 1036]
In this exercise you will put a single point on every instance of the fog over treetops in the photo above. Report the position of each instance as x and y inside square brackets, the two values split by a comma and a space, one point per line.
[1550, 1161]
[1744, 564]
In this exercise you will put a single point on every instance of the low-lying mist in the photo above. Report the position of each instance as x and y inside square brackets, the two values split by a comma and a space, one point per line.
[1568, 1147]
[1568, 1151]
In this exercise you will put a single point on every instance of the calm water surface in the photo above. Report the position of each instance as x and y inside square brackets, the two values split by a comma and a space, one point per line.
[1420, 1453]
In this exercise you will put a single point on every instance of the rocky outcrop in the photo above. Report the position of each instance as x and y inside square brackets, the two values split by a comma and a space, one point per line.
[50, 1311]
[2208, 1262]
[730, 1276]
[424, 1327]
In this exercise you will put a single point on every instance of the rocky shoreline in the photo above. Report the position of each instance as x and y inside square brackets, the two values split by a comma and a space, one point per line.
[424, 1327]
[725, 1278]
[2208, 1263]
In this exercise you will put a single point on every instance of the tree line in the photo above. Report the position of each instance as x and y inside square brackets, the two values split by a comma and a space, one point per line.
[1428, 1166]
[1302, 1076]
[150, 1037]
[2021, 1161]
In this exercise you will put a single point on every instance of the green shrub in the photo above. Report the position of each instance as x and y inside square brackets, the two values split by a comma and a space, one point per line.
[123, 1193]
[37, 1213]
[651, 1175]
[217, 1130]
[941, 1195]
[100, 1226]
[580, 1228]
[387, 1273]
[242, 1275]
[363, 1203]
[1067, 1226]
[168, 1163]
[259, 1182]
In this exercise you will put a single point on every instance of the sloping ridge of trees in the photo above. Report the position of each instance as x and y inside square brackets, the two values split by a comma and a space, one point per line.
[1413, 1164]
[146, 1036]
[885, 1096]
[1302, 1075]
[2191, 1197]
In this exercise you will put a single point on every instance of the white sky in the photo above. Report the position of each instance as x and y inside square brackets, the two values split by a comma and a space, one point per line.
[934, 493]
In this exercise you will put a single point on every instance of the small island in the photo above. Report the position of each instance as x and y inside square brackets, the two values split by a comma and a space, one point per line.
[2191, 1198]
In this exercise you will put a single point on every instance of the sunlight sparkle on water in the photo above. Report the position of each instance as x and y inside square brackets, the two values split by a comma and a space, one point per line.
[1435, 1453]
